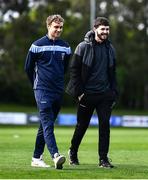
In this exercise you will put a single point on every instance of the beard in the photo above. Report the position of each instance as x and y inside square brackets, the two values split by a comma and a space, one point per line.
[102, 36]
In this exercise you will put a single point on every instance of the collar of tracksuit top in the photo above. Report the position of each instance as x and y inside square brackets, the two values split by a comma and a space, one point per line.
[46, 44]
[89, 52]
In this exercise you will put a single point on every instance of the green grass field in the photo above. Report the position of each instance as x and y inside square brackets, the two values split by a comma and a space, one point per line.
[128, 151]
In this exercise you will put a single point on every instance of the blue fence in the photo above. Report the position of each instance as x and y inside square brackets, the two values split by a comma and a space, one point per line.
[70, 120]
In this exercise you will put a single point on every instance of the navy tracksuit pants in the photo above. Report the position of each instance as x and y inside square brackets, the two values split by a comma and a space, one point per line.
[49, 106]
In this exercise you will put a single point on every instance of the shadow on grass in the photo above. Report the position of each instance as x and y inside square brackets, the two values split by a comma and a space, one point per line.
[94, 167]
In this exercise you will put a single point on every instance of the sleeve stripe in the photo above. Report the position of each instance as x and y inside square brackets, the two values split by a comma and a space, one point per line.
[38, 49]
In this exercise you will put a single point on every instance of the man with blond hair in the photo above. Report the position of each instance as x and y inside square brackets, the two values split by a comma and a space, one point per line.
[45, 65]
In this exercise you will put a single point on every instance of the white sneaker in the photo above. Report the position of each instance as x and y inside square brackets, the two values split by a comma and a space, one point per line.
[38, 162]
[59, 161]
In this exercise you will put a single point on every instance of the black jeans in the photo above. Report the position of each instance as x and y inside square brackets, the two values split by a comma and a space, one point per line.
[102, 103]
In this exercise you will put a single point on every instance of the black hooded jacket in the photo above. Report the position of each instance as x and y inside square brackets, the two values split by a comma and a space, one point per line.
[82, 62]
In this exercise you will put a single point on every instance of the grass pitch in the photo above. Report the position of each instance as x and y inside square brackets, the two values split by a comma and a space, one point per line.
[128, 151]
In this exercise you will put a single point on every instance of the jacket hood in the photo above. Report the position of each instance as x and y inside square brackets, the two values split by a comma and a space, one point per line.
[89, 36]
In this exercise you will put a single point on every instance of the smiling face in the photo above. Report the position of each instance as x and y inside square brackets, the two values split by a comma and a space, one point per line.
[55, 29]
[54, 25]
[101, 33]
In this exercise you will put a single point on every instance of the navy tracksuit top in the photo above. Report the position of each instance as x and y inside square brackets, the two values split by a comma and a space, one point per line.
[45, 64]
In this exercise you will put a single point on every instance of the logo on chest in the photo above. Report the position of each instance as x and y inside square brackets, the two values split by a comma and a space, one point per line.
[62, 55]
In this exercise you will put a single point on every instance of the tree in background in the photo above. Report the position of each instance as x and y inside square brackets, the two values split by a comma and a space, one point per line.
[22, 22]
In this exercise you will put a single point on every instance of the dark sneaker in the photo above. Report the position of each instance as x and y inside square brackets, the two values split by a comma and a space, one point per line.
[73, 158]
[105, 163]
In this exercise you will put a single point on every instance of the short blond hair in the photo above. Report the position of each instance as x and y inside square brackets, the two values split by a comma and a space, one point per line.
[54, 18]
